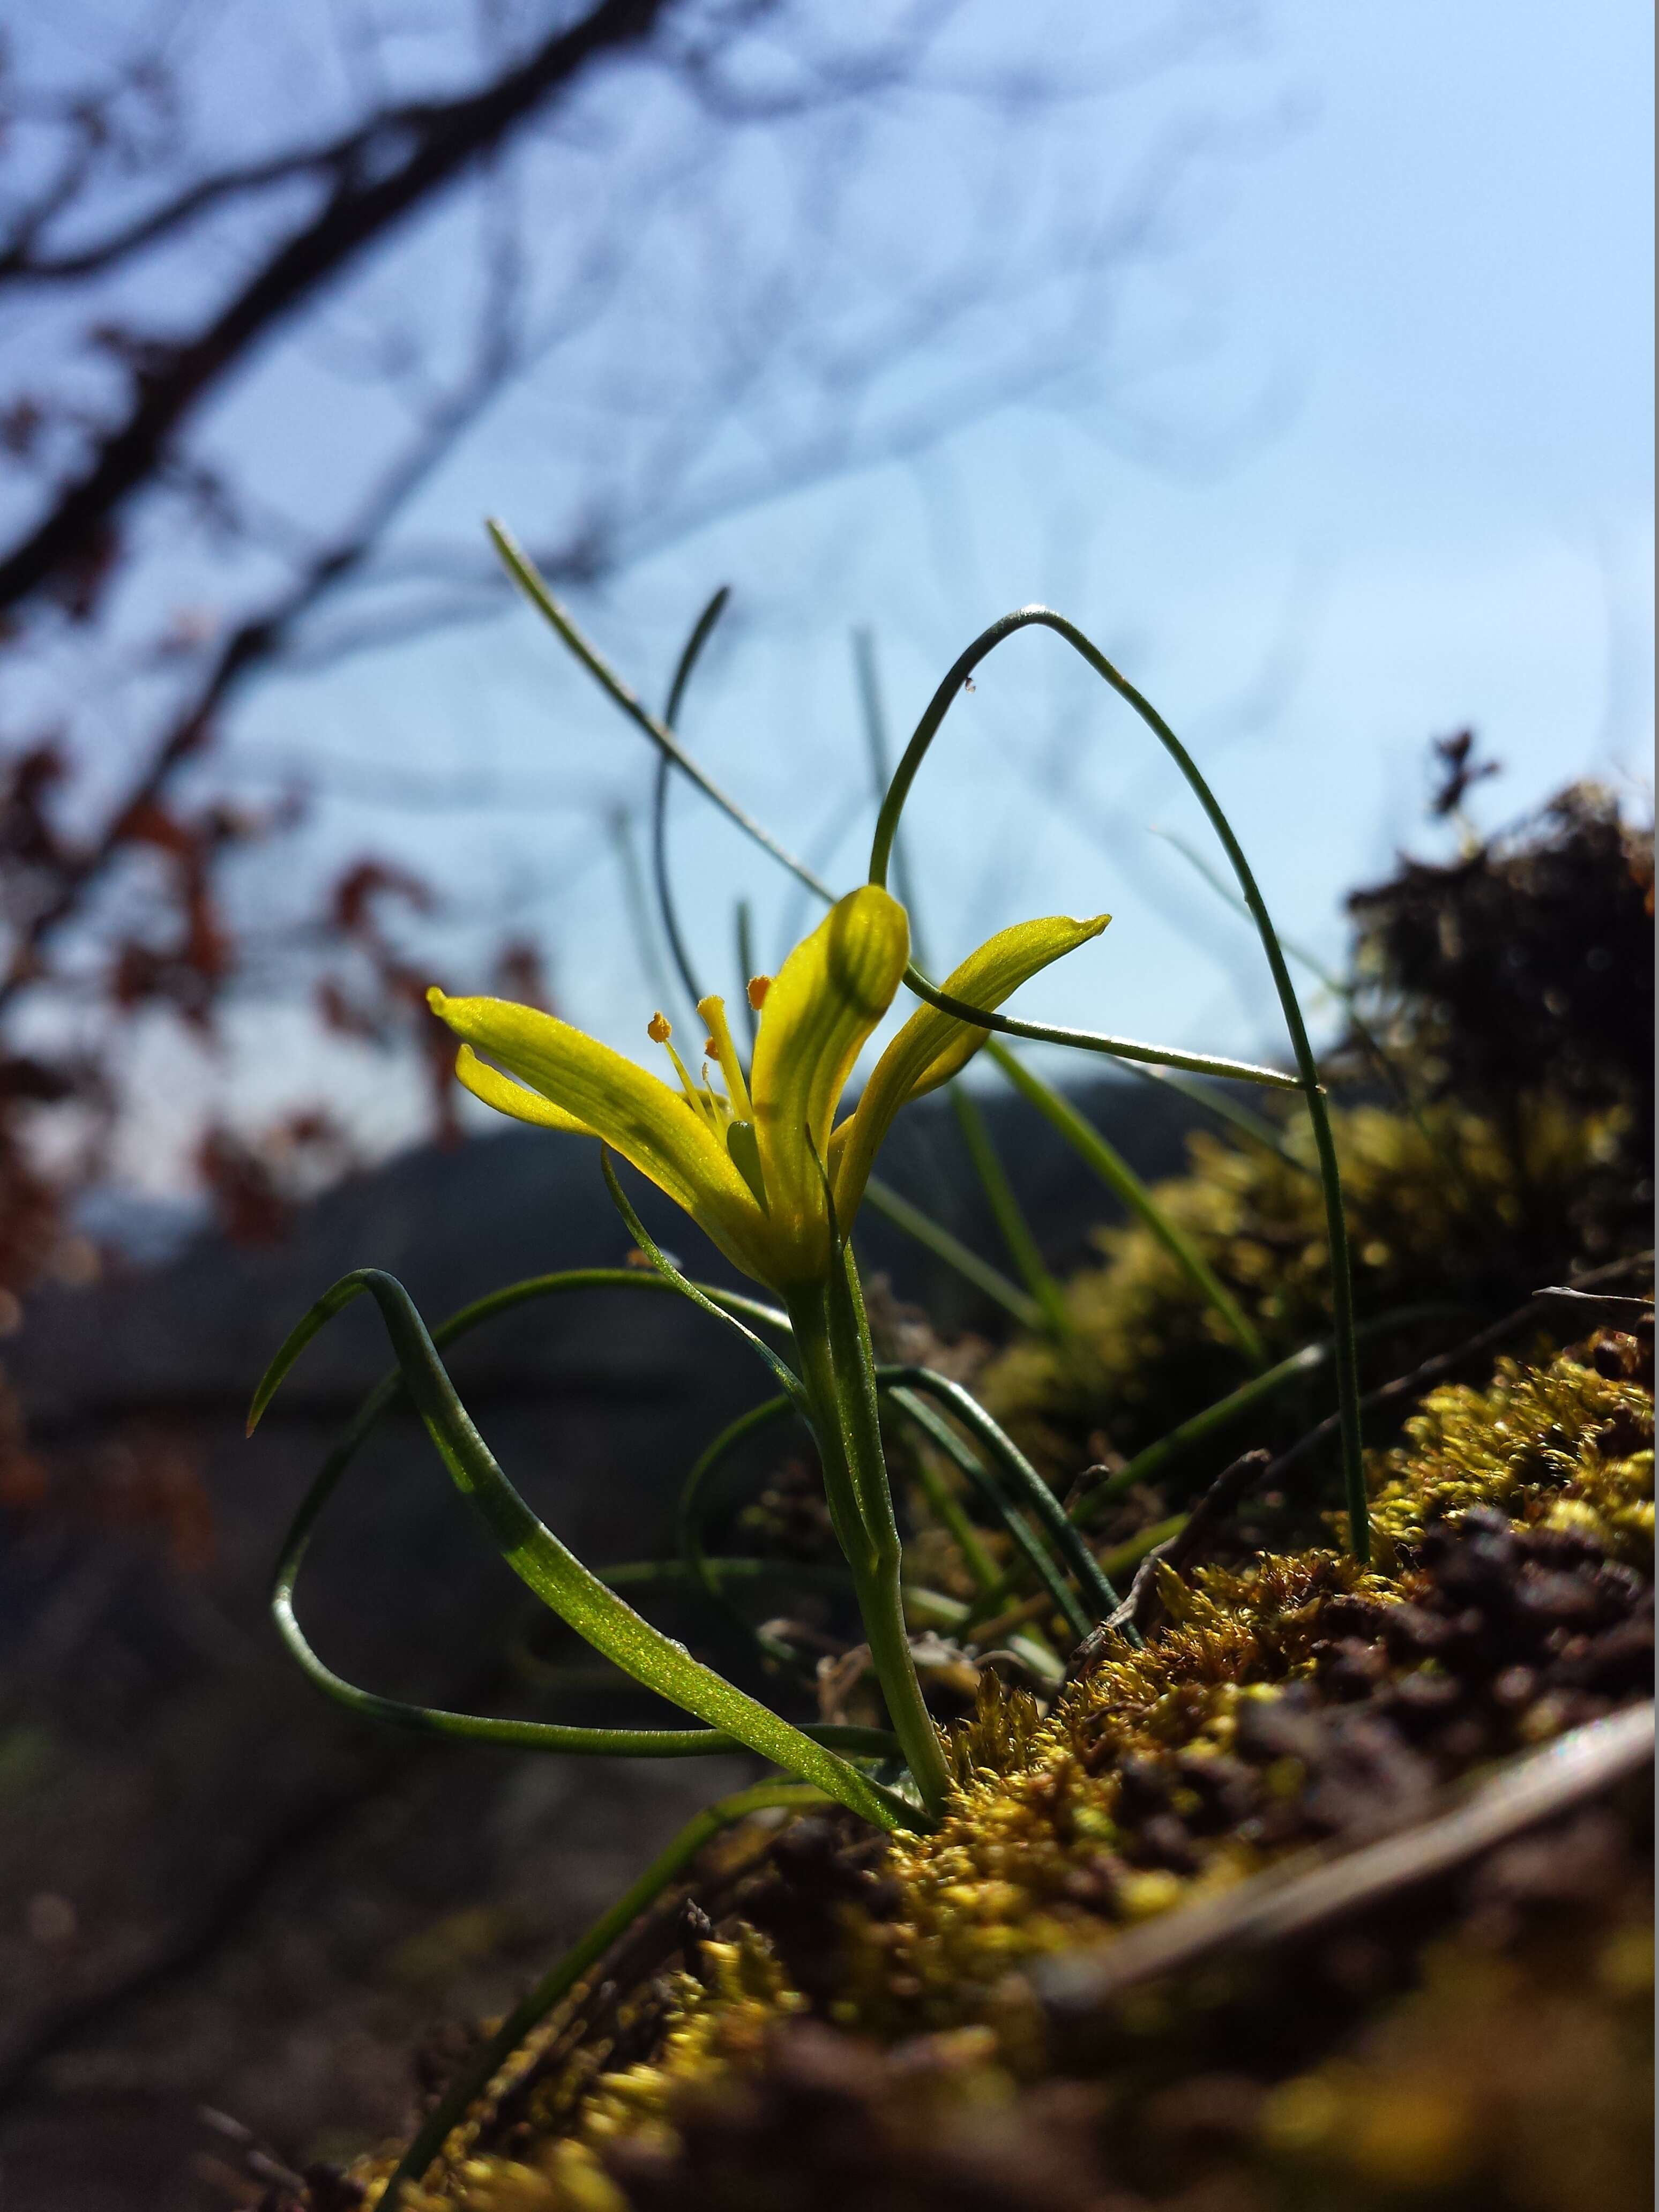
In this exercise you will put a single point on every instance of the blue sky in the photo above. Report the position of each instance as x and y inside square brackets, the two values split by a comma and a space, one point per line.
[1394, 477]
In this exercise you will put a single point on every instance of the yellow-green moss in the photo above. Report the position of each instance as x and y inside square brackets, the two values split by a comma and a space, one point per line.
[999, 1882]
[1560, 1444]
[1440, 1209]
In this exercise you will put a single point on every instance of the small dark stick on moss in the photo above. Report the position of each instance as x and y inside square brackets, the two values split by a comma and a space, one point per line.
[1175, 1552]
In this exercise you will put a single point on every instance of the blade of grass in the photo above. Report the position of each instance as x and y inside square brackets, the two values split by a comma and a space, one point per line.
[1150, 1463]
[875, 737]
[1115, 1048]
[524, 573]
[1259, 1130]
[946, 1508]
[1346, 996]
[702, 629]
[1147, 1464]
[692, 1511]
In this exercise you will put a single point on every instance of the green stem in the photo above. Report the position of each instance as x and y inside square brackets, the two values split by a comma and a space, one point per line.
[838, 1370]
[528, 2014]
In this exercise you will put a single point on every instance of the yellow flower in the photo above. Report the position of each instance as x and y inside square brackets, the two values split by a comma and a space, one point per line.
[749, 1163]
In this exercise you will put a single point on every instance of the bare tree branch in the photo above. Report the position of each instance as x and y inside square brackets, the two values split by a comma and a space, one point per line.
[261, 637]
[392, 167]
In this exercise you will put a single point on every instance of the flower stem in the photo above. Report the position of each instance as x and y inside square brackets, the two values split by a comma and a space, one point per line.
[832, 1342]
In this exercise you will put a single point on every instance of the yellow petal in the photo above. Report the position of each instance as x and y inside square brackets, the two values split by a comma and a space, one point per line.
[507, 1096]
[606, 1095]
[820, 1008]
[932, 1046]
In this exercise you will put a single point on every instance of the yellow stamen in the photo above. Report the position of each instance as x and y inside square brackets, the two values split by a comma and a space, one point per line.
[758, 987]
[712, 1011]
[660, 1031]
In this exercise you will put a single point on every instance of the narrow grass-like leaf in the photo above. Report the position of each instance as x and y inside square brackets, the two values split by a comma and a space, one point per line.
[993, 1494]
[701, 631]
[1326, 978]
[529, 1290]
[1347, 1367]
[1005, 1212]
[1255, 1126]
[569, 1589]
[474, 2079]
[1024, 1479]
[524, 573]
[1115, 1171]
[782, 1373]
[1150, 1463]
[1114, 1048]
[523, 570]
[529, 1735]
[1348, 998]
[946, 1508]
[692, 1511]
[881, 768]
[934, 1237]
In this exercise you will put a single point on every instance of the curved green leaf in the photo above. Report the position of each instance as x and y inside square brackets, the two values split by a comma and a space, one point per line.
[782, 1373]
[939, 1433]
[1023, 1478]
[563, 1583]
[1347, 1365]
[692, 1511]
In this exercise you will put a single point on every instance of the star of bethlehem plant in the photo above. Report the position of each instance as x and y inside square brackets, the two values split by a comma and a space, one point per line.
[763, 1169]
[754, 1154]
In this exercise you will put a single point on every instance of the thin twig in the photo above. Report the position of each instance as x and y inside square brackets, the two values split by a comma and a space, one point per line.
[1233, 1484]
[1319, 1889]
